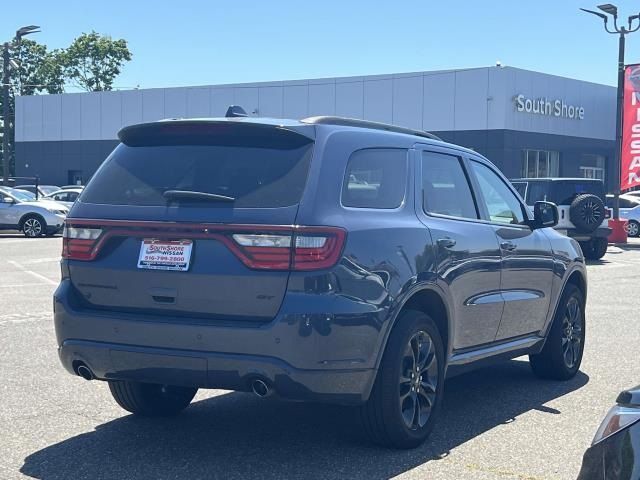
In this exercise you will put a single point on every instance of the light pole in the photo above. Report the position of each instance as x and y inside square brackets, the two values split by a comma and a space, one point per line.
[6, 85]
[621, 31]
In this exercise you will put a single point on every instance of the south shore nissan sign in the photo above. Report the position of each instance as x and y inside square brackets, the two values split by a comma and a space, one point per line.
[548, 107]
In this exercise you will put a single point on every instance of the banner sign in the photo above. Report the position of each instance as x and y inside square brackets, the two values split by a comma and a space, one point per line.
[630, 157]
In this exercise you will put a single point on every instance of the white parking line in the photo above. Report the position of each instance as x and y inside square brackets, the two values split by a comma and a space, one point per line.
[32, 273]
[40, 260]
[21, 285]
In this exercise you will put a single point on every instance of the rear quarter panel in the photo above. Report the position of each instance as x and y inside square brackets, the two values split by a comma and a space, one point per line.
[388, 254]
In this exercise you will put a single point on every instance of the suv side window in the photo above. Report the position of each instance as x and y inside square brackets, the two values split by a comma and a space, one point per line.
[375, 178]
[502, 205]
[445, 187]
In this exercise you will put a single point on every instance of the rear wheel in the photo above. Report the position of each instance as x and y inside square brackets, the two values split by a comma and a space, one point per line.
[33, 226]
[407, 394]
[150, 399]
[562, 353]
[595, 248]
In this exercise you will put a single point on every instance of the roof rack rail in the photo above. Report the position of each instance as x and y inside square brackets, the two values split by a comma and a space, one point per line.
[354, 122]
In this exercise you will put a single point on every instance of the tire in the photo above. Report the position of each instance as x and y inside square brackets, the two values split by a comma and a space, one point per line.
[390, 417]
[587, 212]
[633, 228]
[595, 248]
[150, 399]
[33, 226]
[561, 355]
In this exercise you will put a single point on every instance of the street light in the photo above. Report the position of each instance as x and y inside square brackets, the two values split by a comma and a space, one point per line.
[612, 10]
[6, 84]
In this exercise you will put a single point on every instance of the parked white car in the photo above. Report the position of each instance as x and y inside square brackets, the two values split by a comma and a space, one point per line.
[65, 196]
[630, 211]
[18, 211]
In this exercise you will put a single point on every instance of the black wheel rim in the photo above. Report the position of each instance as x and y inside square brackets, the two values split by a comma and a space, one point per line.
[418, 380]
[592, 213]
[572, 332]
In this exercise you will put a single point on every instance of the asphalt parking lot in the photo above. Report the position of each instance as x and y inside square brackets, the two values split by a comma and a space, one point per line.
[498, 423]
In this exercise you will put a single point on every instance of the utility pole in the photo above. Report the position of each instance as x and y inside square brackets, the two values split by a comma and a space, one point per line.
[5, 114]
[6, 85]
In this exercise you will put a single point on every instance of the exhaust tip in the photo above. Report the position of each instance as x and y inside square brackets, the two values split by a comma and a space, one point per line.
[85, 372]
[260, 388]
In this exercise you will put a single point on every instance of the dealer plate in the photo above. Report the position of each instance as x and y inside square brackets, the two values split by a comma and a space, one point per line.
[165, 255]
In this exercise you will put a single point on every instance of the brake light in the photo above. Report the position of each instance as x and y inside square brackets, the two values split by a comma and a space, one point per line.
[79, 243]
[314, 248]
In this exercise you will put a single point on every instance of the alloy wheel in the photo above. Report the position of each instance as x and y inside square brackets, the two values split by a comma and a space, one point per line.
[32, 227]
[572, 332]
[632, 229]
[418, 380]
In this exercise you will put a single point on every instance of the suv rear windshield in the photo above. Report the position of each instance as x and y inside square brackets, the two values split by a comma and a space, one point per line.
[565, 191]
[255, 172]
[560, 192]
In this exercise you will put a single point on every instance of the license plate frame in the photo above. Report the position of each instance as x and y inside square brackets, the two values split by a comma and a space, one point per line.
[166, 255]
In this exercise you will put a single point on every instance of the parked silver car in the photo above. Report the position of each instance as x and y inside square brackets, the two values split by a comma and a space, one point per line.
[65, 196]
[18, 211]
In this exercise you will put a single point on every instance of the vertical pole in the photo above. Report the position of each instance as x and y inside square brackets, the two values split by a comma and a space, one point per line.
[618, 156]
[5, 114]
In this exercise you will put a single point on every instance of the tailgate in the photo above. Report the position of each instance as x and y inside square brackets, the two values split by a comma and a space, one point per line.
[190, 218]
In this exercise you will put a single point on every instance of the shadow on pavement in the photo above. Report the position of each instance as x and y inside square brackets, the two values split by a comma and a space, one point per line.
[238, 435]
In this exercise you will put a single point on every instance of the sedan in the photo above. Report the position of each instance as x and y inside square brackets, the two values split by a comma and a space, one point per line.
[630, 211]
[615, 451]
[65, 196]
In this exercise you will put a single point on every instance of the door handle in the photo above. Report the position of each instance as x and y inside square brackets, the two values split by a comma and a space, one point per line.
[446, 242]
[509, 246]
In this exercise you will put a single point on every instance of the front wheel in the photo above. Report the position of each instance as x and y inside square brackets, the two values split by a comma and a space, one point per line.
[150, 399]
[633, 228]
[561, 356]
[33, 226]
[407, 393]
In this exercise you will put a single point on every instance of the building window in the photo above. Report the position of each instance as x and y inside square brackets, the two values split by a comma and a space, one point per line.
[592, 166]
[540, 164]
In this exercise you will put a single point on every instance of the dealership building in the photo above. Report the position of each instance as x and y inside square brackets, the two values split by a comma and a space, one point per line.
[528, 123]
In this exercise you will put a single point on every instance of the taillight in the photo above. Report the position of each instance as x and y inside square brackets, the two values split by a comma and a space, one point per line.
[314, 248]
[78, 243]
[260, 247]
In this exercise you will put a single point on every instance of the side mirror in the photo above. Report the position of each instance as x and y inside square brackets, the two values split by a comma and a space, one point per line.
[545, 214]
[8, 200]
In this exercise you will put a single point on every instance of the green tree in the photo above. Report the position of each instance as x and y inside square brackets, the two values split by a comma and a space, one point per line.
[39, 70]
[93, 61]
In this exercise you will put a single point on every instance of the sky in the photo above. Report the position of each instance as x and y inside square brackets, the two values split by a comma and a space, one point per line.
[199, 42]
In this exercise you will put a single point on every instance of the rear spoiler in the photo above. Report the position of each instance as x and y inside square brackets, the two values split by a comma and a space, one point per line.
[219, 132]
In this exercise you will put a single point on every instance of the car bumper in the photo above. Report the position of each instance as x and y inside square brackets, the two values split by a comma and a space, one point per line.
[601, 232]
[292, 361]
[54, 222]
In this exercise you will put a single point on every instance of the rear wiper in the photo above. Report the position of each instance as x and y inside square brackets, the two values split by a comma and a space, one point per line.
[191, 195]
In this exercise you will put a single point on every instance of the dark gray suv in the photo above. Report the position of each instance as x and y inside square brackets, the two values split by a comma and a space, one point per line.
[325, 259]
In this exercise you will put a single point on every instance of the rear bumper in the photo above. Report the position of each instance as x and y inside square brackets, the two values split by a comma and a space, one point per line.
[109, 361]
[297, 355]
[580, 236]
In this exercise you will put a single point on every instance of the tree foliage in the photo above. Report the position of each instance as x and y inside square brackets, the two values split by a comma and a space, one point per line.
[39, 70]
[92, 62]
